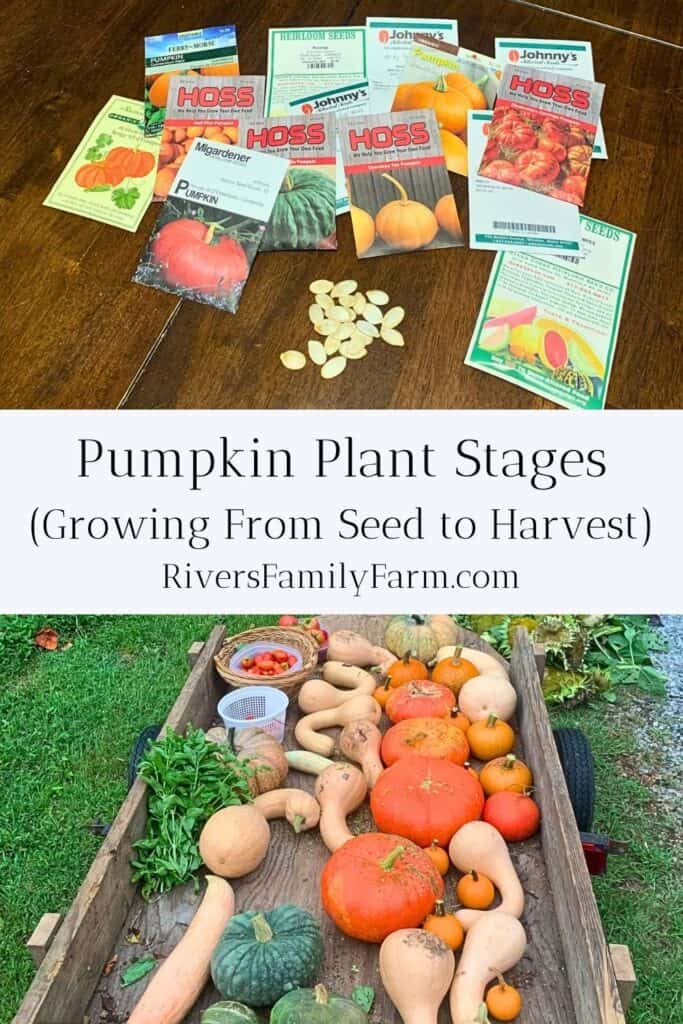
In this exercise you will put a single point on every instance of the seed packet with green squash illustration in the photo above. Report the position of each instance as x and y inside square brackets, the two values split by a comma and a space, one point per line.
[110, 176]
[202, 51]
[399, 190]
[212, 224]
[304, 215]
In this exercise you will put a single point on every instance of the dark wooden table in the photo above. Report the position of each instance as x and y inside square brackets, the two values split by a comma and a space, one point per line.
[75, 332]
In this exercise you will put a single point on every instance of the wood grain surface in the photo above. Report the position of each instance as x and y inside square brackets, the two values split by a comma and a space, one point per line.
[77, 333]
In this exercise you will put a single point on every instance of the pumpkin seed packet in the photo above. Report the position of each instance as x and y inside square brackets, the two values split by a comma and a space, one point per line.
[302, 61]
[549, 324]
[304, 215]
[399, 189]
[389, 41]
[450, 81]
[212, 224]
[543, 131]
[202, 51]
[208, 107]
[110, 176]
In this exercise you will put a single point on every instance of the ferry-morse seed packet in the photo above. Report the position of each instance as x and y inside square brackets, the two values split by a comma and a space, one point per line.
[201, 51]
[389, 41]
[304, 215]
[542, 133]
[399, 189]
[203, 106]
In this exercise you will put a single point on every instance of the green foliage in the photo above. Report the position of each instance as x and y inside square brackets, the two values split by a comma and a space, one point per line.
[137, 970]
[125, 198]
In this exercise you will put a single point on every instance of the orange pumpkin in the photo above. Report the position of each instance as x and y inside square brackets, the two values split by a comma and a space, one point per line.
[475, 891]
[221, 69]
[455, 151]
[505, 774]
[91, 176]
[404, 223]
[449, 105]
[163, 181]
[446, 213]
[422, 699]
[446, 926]
[455, 671]
[462, 721]
[382, 694]
[406, 670]
[491, 737]
[364, 231]
[129, 163]
[461, 83]
[503, 1001]
[428, 737]
[159, 89]
[439, 857]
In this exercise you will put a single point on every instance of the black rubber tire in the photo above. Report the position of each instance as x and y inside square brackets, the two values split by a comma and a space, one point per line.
[138, 751]
[576, 759]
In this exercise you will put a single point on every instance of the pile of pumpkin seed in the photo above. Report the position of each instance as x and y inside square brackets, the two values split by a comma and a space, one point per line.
[347, 321]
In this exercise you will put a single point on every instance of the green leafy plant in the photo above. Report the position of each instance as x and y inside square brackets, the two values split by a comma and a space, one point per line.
[125, 198]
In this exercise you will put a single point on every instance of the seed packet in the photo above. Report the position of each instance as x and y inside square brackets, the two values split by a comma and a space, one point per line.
[110, 176]
[438, 76]
[202, 51]
[570, 56]
[353, 99]
[304, 215]
[208, 107]
[542, 133]
[303, 61]
[550, 324]
[389, 41]
[212, 224]
[399, 189]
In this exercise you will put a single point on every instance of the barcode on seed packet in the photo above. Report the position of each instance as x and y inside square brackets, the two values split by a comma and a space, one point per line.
[511, 225]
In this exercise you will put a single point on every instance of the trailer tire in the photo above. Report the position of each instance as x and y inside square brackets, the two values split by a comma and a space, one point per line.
[147, 735]
[576, 759]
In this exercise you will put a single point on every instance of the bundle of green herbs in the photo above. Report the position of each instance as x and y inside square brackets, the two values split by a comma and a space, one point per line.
[189, 778]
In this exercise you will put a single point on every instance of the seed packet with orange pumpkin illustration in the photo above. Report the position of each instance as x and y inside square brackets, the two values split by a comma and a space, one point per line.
[212, 224]
[209, 107]
[399, 190]
[202, 51]
[542, 133]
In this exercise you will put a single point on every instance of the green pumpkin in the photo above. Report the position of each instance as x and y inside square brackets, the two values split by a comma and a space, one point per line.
[263, 954]
[229, 1012]
[304, 212]
[316, 1006]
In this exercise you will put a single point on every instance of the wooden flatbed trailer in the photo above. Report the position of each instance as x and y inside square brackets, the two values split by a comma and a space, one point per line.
[567, 975]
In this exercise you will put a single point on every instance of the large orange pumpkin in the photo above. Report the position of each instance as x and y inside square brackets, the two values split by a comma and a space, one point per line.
[404, 223]
[420, 699]
[454, 672]
[425, 798]
[449, 105]
[375, 884]
[461, 83]
[428, 737]
[130, 163]
[91, 176]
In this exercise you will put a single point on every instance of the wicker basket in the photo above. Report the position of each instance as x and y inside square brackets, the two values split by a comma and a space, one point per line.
[290, 682]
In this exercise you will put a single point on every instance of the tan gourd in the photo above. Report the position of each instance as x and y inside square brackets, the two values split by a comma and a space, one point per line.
[301, 810]
[416, 970]
[488, 693]
[234, 841]
[498, 939]
[307, 762]
[176, 986]
[360, 742]
[264, 756]
[348, 677]
[317, 695]
[480, 846]
[353, 649]
[217, 735]
[307, 729]
[339, 790]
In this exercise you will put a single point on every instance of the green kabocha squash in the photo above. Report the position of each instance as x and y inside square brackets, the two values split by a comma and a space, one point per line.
[263, 954]
[304, 214]
[316, 1006]
[229, 1012]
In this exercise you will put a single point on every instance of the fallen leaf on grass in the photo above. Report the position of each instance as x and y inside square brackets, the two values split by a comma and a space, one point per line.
[47, 639]
[137, 970]
[133, 936]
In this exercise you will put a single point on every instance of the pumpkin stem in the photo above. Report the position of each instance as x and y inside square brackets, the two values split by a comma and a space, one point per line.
[439, 909]
[406, 657]
[288, 183]
[475, 875]
[502, 983]
[441, 85]
[210, 231]
[457, 653]
[321, 995]
[404, 199]
[262, 930]
[509, 762]
[297, 824]
[388, 862]
[491, 720]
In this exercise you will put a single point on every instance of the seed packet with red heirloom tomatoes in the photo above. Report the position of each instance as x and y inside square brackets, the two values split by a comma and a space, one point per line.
[542, 133]
[207, 107]
[397, 180]
[212, 223]
[304, 215]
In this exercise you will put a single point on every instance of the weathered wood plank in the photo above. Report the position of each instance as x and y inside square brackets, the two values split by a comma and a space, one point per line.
[624, 972]
[42, 936]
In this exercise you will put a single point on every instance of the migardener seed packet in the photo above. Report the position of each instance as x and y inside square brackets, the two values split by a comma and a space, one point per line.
[304, 61]
[389, 43]
[569, 56]
[212, 223]
[549, 324]
[354, 99]
[203, 106]
[304, 215]
[399, 189]
[202, 51]
[110, 176]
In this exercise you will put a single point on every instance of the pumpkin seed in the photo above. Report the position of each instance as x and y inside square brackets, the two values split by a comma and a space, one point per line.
[372, 314]
[333, 368]
[356, 353]
[316, 314]
[341, 315]
[394, 316]
[326, 327]
[316, 352]
[359, 302]
[347, 301]
[377, 297]
[392, 337]
[332, 344]
[344, 331]
[368, 329]
[321, 287]
[344, 288]
[351, 349]
[325, 302]
[293, 360]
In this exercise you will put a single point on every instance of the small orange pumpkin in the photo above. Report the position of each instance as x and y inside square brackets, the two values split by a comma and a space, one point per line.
[446, 213]
[407, 669]
[382, 694]
[491, 737]
[475, 891]
[91, 176]
[462, 721]
[445, 926]
[505, 773]
[503, 1001]
[159, 89]
[438, 856]
[450, 105]
[421, 699]
[364, 231]
[404, 223]
[455, 671]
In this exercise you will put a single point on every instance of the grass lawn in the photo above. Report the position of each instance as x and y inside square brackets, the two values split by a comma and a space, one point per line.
[69, 718]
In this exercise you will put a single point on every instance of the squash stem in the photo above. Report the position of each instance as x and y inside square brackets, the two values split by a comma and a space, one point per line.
[298, 822]
[457, 654]
[501, 980]
[210, 231]
[262, 930]
[439, 909]
[321, 995]
[404, 199]
[288, 183]
[441, 85]
[392, 857]
[509, 762]
[475, 875]
[492, 719]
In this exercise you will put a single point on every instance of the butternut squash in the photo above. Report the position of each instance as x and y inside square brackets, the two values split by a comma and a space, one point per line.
[234, 841]
[416, 968]
[360, 742]
[353, 649]
[177, 984]
[497, 939]
[487, 695]
[308, 728]
[317, 695]
[348, 677]
[307, 762]
[484, 663]
[480, 846]
[301, 810]
[339, 790]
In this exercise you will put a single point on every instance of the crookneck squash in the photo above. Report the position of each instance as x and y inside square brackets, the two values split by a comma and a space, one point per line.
[316, 1006]
[304, 212]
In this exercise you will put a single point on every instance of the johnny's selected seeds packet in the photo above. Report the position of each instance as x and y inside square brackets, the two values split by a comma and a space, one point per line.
[304, 215]
[399, 189]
